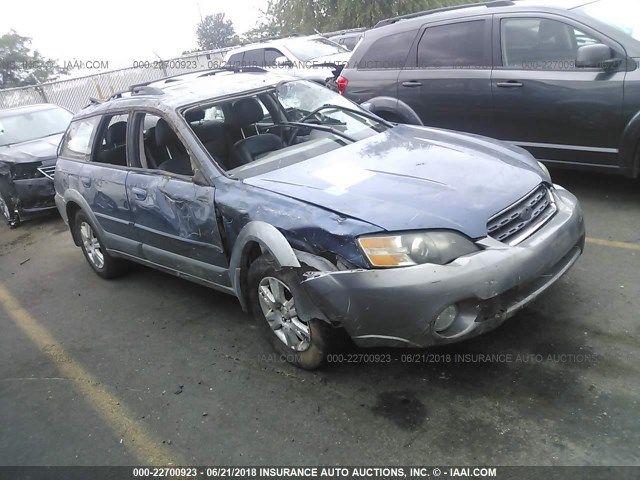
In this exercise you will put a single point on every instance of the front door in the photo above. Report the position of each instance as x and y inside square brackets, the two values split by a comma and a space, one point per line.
[543, 102]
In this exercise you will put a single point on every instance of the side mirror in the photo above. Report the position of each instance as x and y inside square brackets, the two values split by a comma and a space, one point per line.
[199, 178]
[283, 62]
[594, 56]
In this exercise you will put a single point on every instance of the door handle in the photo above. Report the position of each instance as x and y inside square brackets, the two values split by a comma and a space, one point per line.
[86, 181]
[412, 83]
[510, 84]
[139, 193]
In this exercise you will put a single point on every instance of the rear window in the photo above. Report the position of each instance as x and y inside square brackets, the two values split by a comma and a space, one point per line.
[387, 52]
[455, 45]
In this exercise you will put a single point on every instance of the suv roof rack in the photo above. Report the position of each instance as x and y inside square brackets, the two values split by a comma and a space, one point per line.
[494, 3]
[343, 32]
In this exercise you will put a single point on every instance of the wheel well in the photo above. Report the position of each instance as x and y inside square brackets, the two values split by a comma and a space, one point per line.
[250, 253]
[72, 209]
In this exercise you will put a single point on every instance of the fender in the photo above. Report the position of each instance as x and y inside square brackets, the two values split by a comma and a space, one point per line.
[75, 197]
[379, 105]
[270, 240]
[628, 147]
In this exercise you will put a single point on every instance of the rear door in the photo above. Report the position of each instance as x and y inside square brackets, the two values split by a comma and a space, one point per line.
[102, 183]
[547, 105]
[447, 78]
[174, 218]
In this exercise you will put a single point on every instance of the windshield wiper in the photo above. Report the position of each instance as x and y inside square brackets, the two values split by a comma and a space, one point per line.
[362, 113]
[322, 128]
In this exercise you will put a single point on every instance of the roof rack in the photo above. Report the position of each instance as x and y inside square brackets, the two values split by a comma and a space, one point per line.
[494, 3]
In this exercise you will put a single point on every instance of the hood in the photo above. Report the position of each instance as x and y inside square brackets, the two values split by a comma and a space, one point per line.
[412, 178]
[36, 150]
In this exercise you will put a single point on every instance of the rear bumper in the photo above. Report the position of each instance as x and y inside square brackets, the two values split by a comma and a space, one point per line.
[398, 307]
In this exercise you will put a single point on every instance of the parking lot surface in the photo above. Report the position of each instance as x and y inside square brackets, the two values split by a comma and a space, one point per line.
[150, 368]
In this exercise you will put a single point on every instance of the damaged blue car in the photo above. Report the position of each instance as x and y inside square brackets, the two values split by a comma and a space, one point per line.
[320, 217]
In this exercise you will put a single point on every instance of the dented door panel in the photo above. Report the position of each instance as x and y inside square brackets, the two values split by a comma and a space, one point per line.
[175, 220]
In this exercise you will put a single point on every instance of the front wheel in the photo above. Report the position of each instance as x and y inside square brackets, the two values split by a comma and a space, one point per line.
[8, 212]
[272, 297]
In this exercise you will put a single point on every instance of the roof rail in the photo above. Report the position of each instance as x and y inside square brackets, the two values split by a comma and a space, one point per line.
[494, 3]
[343, 32]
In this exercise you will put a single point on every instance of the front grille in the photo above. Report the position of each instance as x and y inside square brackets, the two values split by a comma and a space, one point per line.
[48, 172]
[523, 217]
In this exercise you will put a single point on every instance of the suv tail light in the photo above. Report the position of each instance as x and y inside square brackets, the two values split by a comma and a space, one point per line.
[342, 83]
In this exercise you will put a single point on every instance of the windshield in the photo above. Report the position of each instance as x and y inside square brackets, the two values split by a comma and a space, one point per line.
[312, 48]
[25, 126]
[621, 14]
[278, 126]
[314, 104]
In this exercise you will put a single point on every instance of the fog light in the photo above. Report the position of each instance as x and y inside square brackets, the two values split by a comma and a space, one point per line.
[446, 318]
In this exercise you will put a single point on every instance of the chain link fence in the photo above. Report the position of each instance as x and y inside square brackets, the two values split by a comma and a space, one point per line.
[74, 93]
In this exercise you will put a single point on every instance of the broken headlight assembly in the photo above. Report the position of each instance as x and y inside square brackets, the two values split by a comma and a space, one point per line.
[403, 250]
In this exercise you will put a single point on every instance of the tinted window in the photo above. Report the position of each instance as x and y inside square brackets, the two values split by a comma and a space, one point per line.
[79, 138]
[387, 52]
[540, 44]
[455, 45]
[236, 59]
[253, 58]
[350, 42]
[270, 55]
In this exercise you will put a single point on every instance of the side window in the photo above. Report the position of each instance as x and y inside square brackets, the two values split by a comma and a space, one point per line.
[253, 58]
[236, 59]
[160, 147]
[540, 44]
[112, 141]
[350, 42]
[270, 55]
[455, 45]
[387, 52]
[79, 138]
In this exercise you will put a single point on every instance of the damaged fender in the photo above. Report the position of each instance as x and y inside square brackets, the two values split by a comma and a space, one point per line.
[273, 242]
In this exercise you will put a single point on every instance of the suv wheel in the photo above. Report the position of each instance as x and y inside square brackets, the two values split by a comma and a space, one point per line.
[272, 297]
[102, 263]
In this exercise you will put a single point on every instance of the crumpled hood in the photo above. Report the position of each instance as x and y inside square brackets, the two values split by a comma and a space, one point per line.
[36, 150]
[411, 178]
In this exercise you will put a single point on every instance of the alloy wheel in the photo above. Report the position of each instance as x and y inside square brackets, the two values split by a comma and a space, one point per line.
[278, 306]
[91, 245]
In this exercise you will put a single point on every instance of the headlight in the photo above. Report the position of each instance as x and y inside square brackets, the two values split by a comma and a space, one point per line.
[438, 247]
[545, 170]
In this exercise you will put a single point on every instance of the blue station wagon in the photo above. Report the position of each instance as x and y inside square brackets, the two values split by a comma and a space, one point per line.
[319, 216]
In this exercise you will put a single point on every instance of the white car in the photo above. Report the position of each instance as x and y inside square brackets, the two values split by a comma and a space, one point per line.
[312, 58]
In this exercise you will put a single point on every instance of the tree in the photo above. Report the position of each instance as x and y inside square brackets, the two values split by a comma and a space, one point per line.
[20, 67]
[285, 17]
[216, 32]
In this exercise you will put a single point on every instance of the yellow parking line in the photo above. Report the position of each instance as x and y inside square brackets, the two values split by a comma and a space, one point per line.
[612, 243]
[111, 409]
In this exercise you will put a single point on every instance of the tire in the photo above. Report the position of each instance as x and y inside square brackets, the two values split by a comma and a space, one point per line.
[304, 344]
[7, 212]
[92, 246]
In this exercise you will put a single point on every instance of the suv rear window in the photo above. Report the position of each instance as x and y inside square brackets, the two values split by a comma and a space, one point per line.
[387, 52]
[455, 45]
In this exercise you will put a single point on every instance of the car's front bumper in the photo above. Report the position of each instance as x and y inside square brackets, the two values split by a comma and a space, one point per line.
[34, 195]
[398, 307]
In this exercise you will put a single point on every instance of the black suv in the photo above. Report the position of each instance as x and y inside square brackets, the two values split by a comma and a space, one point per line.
[559, 79]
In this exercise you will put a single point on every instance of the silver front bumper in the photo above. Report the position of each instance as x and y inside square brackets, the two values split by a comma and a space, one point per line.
[398, 307]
